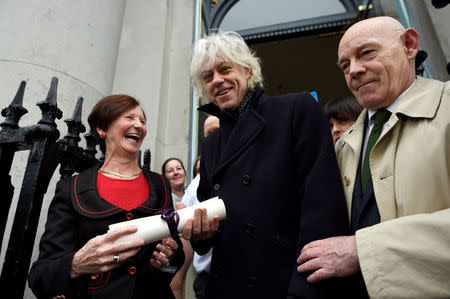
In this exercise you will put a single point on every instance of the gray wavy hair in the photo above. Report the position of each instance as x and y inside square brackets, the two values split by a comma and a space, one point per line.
[229, 45]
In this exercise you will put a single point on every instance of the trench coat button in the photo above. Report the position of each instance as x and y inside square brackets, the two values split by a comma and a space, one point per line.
[132, 270]
[246, 179]
[252, 281]
[95, 276]
[129, 216]
[249, 229]
[346, 180]
[216, 187]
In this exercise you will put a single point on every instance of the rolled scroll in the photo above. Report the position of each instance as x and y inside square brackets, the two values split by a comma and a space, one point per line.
[154, 228]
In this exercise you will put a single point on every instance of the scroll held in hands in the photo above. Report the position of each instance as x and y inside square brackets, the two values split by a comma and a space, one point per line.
[154, 228]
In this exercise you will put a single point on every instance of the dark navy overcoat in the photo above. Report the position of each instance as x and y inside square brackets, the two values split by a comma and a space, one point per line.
[275, 168]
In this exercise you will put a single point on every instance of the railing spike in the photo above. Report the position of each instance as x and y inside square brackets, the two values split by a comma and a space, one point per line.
[15, 110]
[49, 108]
[74, 124]
[51, 96]
[147, 160]
[76, 116]
[18, 99]
[91, 143]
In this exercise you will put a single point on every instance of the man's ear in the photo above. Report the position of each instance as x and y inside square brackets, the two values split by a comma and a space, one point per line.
[411, 42]
[248, 72]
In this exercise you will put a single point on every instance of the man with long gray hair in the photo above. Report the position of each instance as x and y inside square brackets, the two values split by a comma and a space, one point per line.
[272, 162]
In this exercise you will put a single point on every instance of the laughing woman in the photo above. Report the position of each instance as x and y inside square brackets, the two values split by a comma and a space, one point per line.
[78, 257]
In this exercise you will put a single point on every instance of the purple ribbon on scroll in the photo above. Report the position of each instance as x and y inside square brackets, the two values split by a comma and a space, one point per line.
[172, 219]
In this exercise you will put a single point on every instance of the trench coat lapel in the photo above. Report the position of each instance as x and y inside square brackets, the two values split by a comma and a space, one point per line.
[360, 199]
[243, 134]
[382, 164]
[383, 156]
[353, 138]
[412, 106]
[385, 149]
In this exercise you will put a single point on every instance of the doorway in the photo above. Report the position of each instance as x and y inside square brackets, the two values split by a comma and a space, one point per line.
[302, 64]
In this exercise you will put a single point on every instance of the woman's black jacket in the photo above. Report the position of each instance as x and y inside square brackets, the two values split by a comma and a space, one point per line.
[76, 215]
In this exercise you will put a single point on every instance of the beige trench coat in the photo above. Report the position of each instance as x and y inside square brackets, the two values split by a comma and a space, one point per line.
[406, 256]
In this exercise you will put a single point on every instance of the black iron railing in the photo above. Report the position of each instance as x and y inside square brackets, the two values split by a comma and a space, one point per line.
[46, 152]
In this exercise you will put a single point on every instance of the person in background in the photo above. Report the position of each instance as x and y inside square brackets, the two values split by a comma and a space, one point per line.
[196, 170]
[395, 167]
[201, 263]
[211, 124]
[173, 170]
[273, 164]
[78, 257]
[341, 114]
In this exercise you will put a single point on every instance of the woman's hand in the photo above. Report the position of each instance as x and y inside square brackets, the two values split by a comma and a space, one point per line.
[164, 253]
[100, 254]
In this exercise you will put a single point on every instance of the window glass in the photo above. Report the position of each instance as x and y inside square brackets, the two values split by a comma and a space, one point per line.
[247, 14]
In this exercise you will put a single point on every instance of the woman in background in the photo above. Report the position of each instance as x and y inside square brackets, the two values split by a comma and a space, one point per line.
[173, 170]
[341, 114]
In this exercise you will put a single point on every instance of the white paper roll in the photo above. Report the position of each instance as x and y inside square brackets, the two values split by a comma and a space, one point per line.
[153, 228]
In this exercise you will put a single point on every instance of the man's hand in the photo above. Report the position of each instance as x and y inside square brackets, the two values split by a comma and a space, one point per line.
[328, 258]
[200, 228]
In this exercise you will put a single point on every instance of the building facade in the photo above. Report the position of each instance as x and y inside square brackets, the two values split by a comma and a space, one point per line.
[142, 48]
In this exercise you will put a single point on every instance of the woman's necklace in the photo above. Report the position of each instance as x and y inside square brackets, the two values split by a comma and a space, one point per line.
[120, 175]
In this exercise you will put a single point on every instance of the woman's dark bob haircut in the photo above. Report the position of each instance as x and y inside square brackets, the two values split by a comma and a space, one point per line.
[108, 110]
[343, 109]
[163, 167]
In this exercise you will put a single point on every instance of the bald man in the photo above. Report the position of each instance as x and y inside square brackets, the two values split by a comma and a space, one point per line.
[395, 167]
[211, 123]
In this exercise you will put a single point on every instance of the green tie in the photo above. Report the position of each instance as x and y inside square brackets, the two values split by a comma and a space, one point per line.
[381, 116]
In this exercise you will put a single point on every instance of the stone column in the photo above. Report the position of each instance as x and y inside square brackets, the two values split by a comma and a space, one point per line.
[153, 66]
[76, 41]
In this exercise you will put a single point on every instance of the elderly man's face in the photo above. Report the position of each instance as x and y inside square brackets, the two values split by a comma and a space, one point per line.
[374, 61]
[225, 84]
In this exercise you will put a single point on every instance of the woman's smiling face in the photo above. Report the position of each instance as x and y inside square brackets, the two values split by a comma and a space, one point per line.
[126, 133]
[175, 173]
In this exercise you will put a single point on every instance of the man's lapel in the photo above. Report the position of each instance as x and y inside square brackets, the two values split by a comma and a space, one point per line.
[353, 139]
[244, 133]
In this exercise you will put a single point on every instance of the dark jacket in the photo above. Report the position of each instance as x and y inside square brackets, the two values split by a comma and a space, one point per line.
[76, 215]
[276, 170]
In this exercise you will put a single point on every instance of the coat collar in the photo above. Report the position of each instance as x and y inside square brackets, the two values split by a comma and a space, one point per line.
[86, 200]
[353, 136]
[210, 108]
[243, 131]
[422, 101]
[243, 134]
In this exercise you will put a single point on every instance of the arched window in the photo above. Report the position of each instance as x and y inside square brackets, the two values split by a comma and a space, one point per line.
[250, 14]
